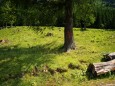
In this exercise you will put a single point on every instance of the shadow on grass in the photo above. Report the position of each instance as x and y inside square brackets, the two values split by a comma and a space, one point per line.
[14, 60]
[109, 29]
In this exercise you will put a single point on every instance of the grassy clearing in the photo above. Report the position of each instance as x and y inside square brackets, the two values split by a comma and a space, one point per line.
[30, 47]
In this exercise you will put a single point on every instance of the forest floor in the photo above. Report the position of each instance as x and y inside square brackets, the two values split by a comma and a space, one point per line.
[33, 56]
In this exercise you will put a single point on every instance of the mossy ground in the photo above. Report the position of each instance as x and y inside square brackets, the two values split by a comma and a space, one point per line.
[28, 47]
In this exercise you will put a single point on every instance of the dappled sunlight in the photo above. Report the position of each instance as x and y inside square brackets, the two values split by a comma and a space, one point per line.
[31, 48]
[18, 60]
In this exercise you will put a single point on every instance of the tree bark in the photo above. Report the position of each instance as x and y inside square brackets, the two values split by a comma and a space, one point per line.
[68, 31]
[97, 69]
[6, 24]
[108, 57]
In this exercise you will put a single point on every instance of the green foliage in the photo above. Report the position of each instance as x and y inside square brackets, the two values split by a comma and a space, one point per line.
[28, 47]
[95, 13]
[83, 10]
[104, 17]
[8, 13]
[47, 15]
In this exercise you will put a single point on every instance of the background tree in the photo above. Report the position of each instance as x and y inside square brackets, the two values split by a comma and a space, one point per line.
[104, 14]
[51, 12]
[84, 13]
[8, 16]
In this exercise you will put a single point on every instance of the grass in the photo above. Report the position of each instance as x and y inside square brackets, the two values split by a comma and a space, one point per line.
[28, 47]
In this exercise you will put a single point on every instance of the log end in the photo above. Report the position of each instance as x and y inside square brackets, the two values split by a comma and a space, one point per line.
[91, 71]
[108, 57]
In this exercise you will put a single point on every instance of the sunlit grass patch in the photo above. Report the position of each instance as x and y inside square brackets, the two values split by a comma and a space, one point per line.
[28, 47]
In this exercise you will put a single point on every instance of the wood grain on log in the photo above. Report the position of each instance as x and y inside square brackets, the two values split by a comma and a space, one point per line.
[101, 68]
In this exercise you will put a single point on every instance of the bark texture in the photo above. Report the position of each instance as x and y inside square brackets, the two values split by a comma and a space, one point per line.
[68, 31]
[110, 56]
[97, 69]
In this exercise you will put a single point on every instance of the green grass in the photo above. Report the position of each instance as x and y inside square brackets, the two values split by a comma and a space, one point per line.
[29, 47]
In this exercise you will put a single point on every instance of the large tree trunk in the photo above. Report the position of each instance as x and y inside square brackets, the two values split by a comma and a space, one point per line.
[96, 69]
[68, 31]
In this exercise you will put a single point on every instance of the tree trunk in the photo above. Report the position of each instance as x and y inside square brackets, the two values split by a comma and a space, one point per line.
[6, 24]
[68, 31]
[96, 69]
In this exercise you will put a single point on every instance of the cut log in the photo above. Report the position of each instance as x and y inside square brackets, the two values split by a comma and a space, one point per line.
[110, 56]
[97, 69]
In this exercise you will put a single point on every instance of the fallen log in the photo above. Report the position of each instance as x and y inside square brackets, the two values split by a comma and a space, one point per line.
[110, 56]
[97, 69]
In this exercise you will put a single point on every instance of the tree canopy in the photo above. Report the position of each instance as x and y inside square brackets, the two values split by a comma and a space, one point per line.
[95, 13]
